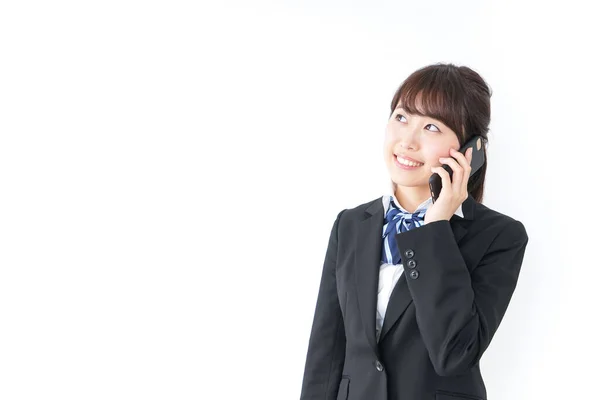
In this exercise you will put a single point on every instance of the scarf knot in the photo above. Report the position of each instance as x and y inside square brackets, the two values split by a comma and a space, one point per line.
[398, 221]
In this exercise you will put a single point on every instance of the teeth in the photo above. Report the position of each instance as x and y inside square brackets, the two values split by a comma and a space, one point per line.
[409, 163]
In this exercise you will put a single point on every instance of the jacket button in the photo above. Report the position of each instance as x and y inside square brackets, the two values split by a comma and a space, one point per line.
[409, 253]
[411, 263]
[379, 366]
[414, 274]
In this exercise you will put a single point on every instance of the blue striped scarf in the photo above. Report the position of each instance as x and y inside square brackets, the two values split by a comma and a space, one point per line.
[397, 221]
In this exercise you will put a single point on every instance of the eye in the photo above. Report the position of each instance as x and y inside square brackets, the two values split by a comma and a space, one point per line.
[399, 115]
[436, 128]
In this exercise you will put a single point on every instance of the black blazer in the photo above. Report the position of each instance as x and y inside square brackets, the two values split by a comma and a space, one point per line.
[441, 316]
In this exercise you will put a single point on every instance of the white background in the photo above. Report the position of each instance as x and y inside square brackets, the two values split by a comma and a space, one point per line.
[170, 171]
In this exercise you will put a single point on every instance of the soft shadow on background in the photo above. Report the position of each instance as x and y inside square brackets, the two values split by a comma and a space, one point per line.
[170, 172]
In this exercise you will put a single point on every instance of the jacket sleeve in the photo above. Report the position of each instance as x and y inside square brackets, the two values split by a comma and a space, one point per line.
[459, 311]
[327, 343]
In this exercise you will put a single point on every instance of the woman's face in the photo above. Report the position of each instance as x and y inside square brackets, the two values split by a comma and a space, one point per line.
[422, 139]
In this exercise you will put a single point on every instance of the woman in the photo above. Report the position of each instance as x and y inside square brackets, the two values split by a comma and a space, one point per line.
[385, 332]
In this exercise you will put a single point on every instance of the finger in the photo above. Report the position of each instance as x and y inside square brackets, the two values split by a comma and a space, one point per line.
[446, 183]
[467, 169]
[467, 172]
[457, 172]
[463, 159]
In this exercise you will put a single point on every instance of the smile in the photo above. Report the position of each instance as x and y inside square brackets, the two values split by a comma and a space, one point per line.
[409, 163]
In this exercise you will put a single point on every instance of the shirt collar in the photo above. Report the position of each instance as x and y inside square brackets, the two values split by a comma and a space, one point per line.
[385, 199]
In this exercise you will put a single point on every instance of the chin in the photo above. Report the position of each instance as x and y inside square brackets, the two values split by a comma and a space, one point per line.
[410, 184]
[407, 182]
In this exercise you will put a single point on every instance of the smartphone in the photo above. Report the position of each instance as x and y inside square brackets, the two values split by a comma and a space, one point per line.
[477, 160]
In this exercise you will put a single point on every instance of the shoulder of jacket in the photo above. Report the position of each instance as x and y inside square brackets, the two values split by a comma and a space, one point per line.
[494, 219]
[361, 208]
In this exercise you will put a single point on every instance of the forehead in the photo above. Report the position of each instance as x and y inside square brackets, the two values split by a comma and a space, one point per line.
[419, 111]
[415, 103]
[418, 106]
[438, 121]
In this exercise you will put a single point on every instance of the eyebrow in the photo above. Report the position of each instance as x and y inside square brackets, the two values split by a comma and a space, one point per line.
[400, 108]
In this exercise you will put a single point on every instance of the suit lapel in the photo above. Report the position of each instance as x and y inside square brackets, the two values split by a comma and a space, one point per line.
[367, 263]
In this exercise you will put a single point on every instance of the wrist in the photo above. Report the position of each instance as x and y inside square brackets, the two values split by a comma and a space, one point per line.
[434, 219]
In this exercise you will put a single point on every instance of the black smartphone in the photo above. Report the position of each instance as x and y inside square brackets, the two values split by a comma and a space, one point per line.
[477, 160]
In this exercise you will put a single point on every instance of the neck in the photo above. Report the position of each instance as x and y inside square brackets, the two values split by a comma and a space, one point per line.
[411, 197]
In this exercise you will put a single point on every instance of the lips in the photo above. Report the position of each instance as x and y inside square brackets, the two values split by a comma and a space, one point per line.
[406, 166]
[408, 158]
[408, 162]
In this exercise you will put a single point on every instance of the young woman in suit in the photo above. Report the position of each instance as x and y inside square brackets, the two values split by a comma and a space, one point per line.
[412, 291]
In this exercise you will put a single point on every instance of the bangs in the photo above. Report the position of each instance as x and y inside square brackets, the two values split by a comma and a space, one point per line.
[436, 93]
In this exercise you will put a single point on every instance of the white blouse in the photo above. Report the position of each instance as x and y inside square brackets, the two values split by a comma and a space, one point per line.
[390, 273]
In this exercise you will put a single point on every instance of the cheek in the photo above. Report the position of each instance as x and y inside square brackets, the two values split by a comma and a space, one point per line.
[437, 149]
[434, 152]
[387, 138]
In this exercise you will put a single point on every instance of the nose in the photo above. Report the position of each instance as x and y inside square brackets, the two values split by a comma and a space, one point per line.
[407, 139]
